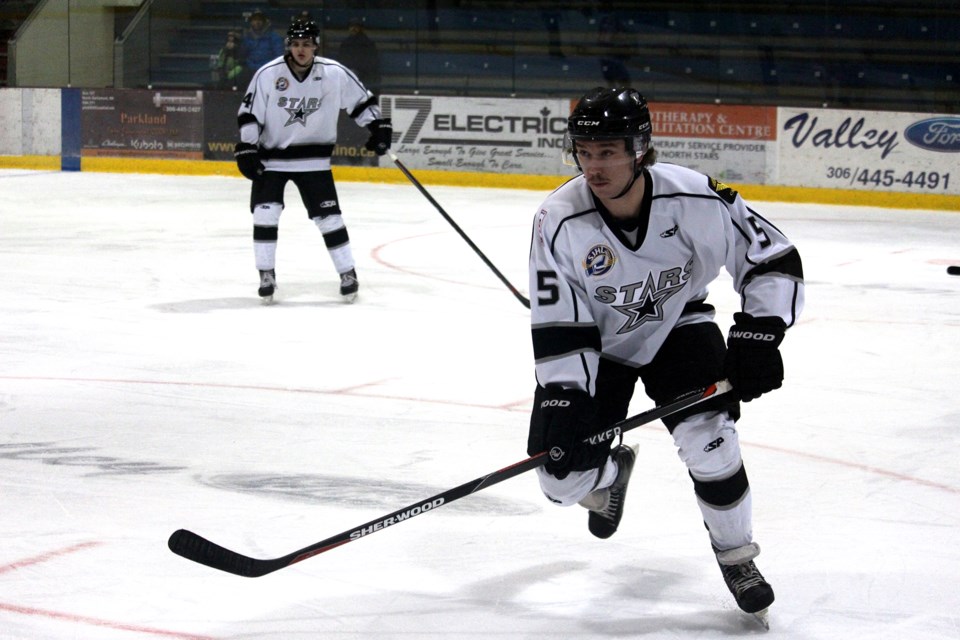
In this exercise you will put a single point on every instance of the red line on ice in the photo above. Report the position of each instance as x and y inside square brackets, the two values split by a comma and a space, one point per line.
[70, 617]
[97, 622]
[19, 564]
[507, 407]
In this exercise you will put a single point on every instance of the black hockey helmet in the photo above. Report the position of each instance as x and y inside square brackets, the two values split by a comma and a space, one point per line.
[609, 114]
[303, 29]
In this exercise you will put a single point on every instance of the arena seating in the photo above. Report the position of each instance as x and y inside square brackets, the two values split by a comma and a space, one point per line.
[881, 54]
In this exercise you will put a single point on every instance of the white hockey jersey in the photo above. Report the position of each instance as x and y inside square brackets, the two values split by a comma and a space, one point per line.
[295, 121]
[594, 291]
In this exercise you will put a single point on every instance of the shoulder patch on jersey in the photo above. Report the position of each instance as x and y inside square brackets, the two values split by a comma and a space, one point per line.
[727, 194]
[282, 84]
[540, 216]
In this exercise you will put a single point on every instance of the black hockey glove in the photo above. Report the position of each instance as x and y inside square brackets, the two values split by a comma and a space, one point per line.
[248, 160]
[381, 132]
[753, 364]
[561, 420]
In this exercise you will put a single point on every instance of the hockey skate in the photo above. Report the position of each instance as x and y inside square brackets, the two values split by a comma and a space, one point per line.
[606, 505]
[268, 284]
[753, 593]
[349, 285]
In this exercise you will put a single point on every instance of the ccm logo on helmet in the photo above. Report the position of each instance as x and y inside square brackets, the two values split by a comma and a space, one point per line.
[752, 335]
[554, 403]
[588, 123]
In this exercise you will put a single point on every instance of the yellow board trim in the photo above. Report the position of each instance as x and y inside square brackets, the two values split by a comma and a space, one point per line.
[389, 174]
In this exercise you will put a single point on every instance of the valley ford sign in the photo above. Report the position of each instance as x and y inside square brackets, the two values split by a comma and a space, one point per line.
[935, 134]
[868, 150]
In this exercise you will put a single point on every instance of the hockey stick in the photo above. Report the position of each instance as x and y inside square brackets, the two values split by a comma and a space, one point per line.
[523, 300]
[198, 549]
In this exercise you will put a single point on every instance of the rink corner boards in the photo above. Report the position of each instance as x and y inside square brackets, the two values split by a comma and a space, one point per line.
[389, 174]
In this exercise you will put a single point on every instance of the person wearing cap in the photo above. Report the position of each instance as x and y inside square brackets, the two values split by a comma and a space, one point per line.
[360, 53]
[260, 44]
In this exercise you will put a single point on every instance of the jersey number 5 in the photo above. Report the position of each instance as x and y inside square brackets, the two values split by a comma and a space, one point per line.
[547, 284]
[761, 234]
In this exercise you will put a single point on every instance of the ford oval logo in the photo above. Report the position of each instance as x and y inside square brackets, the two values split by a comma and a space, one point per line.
[935, 134]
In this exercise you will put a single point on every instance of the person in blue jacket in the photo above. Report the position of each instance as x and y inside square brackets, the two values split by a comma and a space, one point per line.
[260, 44]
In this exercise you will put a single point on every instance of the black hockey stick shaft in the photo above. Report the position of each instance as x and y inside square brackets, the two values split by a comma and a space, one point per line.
[198, 549]
[523, 299]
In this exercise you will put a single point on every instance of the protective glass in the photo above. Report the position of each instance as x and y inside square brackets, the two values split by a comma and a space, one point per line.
[305, 42]
[601, 153]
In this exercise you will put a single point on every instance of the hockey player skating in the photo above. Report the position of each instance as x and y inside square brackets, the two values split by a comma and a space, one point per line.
[288, 131]
[621, 258]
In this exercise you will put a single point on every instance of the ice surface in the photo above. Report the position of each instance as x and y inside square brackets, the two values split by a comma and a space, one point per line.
[144, 388]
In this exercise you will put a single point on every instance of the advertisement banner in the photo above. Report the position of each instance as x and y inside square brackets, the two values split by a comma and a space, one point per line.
[141, 123]
[869, 150]
[491, 135]
[220, 132]
[350, 150]
[729, 143]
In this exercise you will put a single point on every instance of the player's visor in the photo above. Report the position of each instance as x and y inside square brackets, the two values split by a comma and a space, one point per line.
[600, 153]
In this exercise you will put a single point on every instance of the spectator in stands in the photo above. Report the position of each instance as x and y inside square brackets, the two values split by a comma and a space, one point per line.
[360, 53]
[260, 45]
[230, 62]
[303, 16]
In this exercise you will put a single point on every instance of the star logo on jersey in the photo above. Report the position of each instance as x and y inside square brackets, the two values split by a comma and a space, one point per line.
[298, 109]
[298, 115]
[649, 308]
[644, 301]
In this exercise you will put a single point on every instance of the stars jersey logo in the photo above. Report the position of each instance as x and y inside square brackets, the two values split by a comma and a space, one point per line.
[649, 306]
[298, 109]
[644, 301]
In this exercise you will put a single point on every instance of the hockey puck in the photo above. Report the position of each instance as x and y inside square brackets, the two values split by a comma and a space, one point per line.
[953, 270]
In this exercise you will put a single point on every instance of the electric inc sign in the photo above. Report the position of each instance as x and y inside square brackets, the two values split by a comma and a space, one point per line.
[502, 123]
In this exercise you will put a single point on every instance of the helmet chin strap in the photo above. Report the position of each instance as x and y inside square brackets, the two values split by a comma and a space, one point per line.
[637, 170]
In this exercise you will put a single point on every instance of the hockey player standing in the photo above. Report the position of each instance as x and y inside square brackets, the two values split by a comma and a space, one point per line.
[620, 261]
[288, 131]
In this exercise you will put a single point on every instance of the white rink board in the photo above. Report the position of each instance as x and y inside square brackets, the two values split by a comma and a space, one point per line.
[29, 122]
[886, 152]
[732, 161]
[869, 150]
[487, 135]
